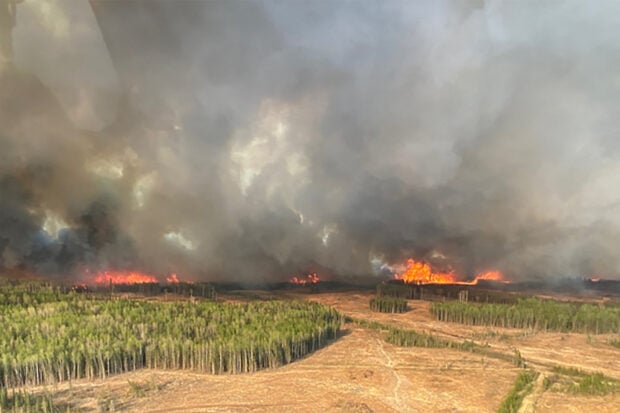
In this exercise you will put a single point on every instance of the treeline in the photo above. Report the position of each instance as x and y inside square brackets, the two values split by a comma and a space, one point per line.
[532, 313]
[38, 292]
[200, 289]
[475, 293]
[398, 290]
[76, 338]
[32, 293]
[388, 304]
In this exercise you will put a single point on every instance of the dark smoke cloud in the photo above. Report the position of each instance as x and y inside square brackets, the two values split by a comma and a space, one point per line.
[253, 140]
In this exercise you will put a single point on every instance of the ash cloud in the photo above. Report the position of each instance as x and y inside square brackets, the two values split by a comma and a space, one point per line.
[251, 141]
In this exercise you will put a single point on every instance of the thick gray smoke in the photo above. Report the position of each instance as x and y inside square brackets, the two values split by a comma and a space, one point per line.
[235, 140]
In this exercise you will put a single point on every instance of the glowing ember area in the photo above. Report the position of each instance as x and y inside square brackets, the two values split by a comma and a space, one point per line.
[79, 288]
[417, 272]
[172, 279]
[310, 279]
[123, 277]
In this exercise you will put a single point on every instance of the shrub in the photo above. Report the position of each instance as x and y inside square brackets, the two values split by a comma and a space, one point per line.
[522, 386]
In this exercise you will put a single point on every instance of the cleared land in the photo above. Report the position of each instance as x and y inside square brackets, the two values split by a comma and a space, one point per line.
[357, 373]
[360, 372]
[541, 351]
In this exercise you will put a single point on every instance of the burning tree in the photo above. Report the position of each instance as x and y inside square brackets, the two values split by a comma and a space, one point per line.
[418, 272]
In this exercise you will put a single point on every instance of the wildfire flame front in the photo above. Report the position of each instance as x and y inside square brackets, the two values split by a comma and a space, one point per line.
[418, 272]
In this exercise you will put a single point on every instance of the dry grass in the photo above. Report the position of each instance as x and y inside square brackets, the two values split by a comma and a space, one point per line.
[552, 402]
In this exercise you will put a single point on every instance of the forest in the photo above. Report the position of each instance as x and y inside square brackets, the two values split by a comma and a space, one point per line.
[49, 336]
[533, 313]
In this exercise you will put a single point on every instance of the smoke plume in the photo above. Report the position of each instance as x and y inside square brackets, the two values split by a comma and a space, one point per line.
[234, 140]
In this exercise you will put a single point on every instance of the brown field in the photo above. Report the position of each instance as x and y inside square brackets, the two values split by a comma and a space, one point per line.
[359, 372]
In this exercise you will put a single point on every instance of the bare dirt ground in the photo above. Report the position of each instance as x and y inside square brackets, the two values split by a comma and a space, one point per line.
[359, 372]
[541, 350]
[551, 402]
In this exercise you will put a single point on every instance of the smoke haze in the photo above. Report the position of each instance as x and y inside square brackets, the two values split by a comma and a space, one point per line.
[234, 140]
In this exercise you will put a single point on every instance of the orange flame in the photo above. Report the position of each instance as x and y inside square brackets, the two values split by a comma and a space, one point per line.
[123, 277]
[421, 273]
[172, 279]
[310, 279]
[490, 275]
[417, 272]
